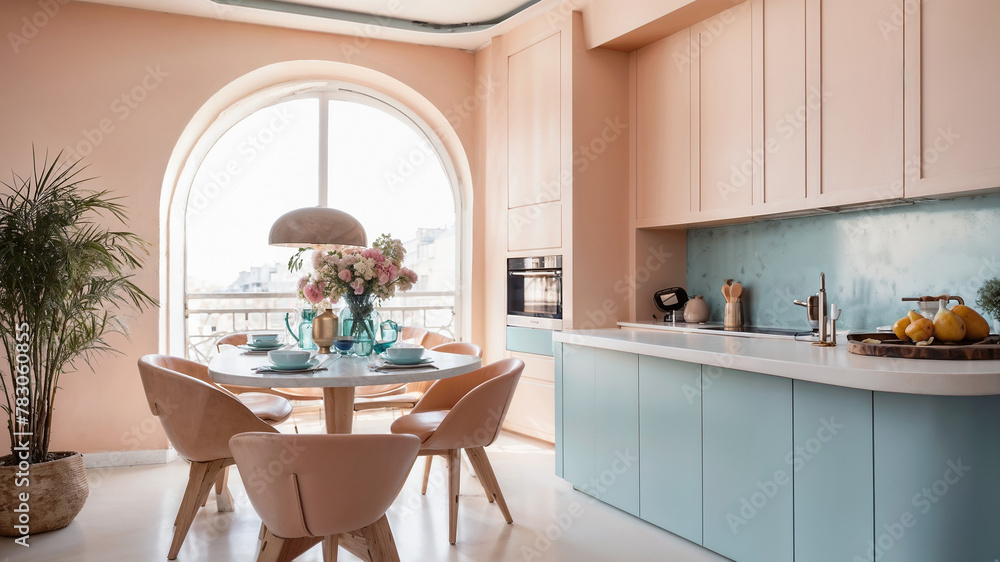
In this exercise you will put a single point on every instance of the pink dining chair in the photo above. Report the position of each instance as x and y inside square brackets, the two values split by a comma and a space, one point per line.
[330, 488]
[465, 412]
[199, 419]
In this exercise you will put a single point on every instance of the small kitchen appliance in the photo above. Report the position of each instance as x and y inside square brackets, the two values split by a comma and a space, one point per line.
[670, 301]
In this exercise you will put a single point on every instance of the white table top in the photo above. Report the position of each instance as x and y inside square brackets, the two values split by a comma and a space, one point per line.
[800, 361]
[233, 367]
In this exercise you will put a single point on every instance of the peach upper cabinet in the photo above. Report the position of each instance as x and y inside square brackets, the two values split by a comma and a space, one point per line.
[797, 106]
[952, 95]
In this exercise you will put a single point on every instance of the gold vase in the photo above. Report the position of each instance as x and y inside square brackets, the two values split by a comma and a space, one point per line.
[325, 330]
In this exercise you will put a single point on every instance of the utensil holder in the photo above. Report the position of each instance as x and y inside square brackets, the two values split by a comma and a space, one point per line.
[733, 318]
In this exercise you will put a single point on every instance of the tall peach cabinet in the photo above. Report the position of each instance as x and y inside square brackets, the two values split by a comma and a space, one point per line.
[557, 169]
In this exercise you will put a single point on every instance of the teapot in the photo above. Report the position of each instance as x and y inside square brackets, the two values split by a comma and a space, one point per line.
[388, 334]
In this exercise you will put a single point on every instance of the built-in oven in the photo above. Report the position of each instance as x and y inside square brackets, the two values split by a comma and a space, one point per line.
[534, 292]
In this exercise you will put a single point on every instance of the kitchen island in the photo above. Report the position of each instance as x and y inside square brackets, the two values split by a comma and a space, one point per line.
[775, 450]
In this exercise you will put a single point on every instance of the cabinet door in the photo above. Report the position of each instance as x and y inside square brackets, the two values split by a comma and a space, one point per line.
[670, 441]
[579, 423]
[617, 439]
[534, 134]
[832, 467]
[747, 424]
[855, 79]
[663, 128]
[936, 486]
[783, 150]
[722, 95]
[952, 88]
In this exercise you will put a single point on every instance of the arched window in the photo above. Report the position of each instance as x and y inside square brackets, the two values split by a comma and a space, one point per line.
[332, 145]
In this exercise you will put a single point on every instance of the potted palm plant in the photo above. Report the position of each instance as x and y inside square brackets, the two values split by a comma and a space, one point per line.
[65, 285]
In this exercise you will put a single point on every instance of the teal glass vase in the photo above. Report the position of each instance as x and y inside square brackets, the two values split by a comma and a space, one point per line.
[363, 332]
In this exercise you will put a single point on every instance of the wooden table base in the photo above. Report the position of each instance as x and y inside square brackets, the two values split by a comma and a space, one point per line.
[338, 405]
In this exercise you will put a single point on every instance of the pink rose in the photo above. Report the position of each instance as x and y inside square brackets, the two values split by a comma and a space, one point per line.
[302, 282]
[359, 286]
[383, 279]
[313, 293]
[345, 275]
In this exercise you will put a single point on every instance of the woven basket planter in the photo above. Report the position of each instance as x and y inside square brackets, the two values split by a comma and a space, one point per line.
[56, 494]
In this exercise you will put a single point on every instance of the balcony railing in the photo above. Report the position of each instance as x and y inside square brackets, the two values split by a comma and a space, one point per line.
[212, 316]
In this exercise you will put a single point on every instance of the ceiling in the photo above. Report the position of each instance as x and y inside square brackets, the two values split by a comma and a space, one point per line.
[461, 24]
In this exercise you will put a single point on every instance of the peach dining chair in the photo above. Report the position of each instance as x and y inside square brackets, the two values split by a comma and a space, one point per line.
[414, 390]
[334, 488]
[199, 419]
[465, 412]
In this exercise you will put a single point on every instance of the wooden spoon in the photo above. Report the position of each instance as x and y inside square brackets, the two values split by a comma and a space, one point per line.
[726, 291]
[736, 291]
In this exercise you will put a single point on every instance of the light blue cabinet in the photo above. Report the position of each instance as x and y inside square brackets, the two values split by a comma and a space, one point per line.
[937, 478]
[557, 349]
[747, 425]
[617, 443]
[832, 467]
[670, 442]
[579, 423]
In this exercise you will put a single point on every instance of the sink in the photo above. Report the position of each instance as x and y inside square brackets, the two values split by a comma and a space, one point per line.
[786, 332]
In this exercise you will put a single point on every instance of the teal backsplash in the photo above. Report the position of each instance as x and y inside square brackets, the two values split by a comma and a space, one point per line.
[871, 258]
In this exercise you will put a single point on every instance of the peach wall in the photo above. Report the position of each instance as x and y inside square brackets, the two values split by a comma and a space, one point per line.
[62, 85]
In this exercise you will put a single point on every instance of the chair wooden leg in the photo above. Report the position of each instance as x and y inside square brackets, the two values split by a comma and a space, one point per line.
[263, 531]
[489, 479]
[427, 474]
[381, 545]
[200, 480]
[277, 549]
[454, 485]
[330, 547]
[223, 497]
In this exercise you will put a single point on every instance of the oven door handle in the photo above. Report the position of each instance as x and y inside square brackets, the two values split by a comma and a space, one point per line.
[535, 273]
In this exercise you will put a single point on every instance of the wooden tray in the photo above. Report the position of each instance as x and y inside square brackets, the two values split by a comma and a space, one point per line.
[986, 349]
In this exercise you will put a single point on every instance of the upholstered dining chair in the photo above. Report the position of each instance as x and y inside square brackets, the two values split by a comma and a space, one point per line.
[433, 339]
[334, 488]
[413, 390]
[465, 412]
[199, 419]
[411, 334]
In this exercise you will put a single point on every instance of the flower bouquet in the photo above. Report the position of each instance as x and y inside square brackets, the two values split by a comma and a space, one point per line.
[361, 277]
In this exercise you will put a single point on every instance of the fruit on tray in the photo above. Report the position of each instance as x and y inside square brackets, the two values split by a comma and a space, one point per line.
[948, 326]
[920, 330]
[976, 327]
[899, 328]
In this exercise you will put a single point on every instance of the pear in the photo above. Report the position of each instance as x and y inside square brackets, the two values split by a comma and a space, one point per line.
[913, 315]
[899, 328]
[920, 330]
[976, 327]
[948, 326]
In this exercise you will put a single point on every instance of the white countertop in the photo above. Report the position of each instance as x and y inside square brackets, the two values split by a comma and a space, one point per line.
[800, 360]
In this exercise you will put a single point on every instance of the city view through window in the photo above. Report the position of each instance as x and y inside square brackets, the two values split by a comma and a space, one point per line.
[380, 169]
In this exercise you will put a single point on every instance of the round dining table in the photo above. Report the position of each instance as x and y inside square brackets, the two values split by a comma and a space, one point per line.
[338, 379]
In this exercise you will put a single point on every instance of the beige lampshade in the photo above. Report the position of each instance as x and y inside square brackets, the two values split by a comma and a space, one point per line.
[317, 227]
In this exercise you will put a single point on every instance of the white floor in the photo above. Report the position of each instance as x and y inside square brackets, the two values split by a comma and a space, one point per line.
[130, 513]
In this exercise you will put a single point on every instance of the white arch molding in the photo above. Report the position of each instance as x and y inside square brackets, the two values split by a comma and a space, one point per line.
[263, 87]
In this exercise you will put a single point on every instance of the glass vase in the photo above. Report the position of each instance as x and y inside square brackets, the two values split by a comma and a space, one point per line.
[363, 332]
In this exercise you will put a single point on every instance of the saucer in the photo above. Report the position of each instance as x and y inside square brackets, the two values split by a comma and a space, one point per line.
[307, 365]
[400, 361]
[264, 345]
